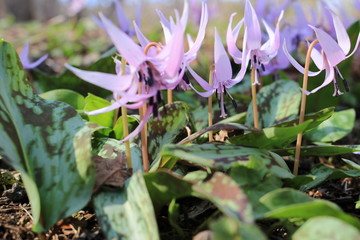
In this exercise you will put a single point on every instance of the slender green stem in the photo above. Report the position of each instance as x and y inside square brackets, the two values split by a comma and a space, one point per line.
[210, 110]
[302, 108]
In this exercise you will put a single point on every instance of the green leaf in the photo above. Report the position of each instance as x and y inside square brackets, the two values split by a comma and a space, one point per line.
[327, 150]
[93, 102]
[119, 126]
[326, 228]
[216, 127]
[284, 133]
[70, 97]
[290, 203]
[323, 173]
[273, 137]
[168, 129]
[127, 213]
[228, 228]
[276, 102]
[333, 128]
[47, 141]
[217, 155]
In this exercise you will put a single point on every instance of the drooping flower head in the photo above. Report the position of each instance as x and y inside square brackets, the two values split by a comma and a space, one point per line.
[222, 76]
[253, 50]
[331, 54]
[25, 59]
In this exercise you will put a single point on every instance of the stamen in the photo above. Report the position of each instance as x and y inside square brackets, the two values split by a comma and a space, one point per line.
[150, 79]
[263, 67]
[155, 110]
[337, 91]
[140, 77]
[338, 74]
[234, 103]
[186, 78]
[255, 60]
[346, 85]
[151, 101]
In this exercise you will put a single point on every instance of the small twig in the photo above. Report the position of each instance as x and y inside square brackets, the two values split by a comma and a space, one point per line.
[302, 108]
[169, 96]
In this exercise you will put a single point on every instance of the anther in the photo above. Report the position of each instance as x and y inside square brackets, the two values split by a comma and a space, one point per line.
[186, 78]
[255, 60]
[263, 67]
[155, 110]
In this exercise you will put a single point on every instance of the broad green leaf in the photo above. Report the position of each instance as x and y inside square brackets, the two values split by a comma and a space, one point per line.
[70, 81]
[93, 102]
[47, 141]
[326, 228]
[276, 102]
[273, 137]
[327, 150]
[352, 164]
[74, 99]
[223, 191]
[290, 203]
[127, 213]
[174, 119]
[228, 228]
[333, 128]
[216, 127]
[220, 189]
[217, 155]
[323, 173]
[119, 126]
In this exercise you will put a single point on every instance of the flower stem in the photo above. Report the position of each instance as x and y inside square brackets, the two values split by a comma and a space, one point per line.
[169, 96]
[302, 108]
[254, 102]
[210, 110]
[143, 134]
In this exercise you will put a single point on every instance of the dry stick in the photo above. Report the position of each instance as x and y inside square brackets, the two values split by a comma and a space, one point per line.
[254, 102]
[210, 114]
[169, 96]
[302, 108]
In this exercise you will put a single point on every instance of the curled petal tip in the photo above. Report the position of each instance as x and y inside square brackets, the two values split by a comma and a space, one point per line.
[305, 91]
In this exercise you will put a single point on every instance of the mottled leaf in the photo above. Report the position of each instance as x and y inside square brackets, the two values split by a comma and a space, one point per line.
[290, 203]
[167, 129]
[127, 213]
[333, 128]
[93, 102]
[326, 150]
[276, 102]
[119, 126]
[47, 141]
[223, 191]
[217, 127]
[329, 228]
[228, 228]
[74, 99]
[217, 155]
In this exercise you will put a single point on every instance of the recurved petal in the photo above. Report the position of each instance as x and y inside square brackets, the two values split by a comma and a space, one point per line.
[231, 36]
[253, 27]
[333, 51]
[204, 84]
[121, 17]
[140, 36]
[30, 65]
[341, 34]
[329, 77]
[107, 81]
[222, 63]
[296, 64]
[128, 49]
[356, 46]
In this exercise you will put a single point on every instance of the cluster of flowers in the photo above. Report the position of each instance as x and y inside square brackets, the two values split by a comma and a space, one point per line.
[153, 67]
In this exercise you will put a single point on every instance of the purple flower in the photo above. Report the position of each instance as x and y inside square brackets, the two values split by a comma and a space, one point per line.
[332, 53]
[122, 20]
[259, 54]
[151, 68]
[25, 60]
[222, 76]
[196, 9]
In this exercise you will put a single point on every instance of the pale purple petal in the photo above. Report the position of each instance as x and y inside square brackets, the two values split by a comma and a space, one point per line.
[231, 36]
[332, 50]
[317, 58]
[191, 54]
[274, 40]
[222, 63]
[138, 13]
[329, 77]
[121, 17]
[356, 46]
[140, 36]
[25, 60]
[203, 94]
[98, 22]
[190, 41]
[140, 126]
[185, 14]
[204, 84]
[36, 63]
[296, 64]
[127, 48]
[107, 81]
[252, 26]
[341, 34]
